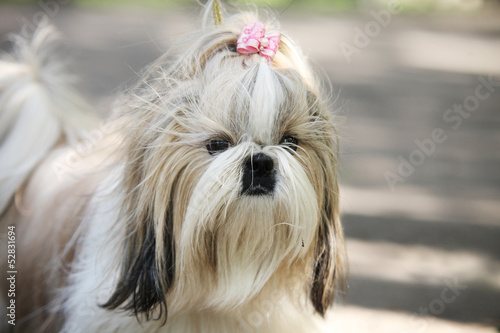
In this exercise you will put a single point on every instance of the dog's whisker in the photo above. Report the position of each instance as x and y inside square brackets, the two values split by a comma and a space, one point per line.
[288, 224]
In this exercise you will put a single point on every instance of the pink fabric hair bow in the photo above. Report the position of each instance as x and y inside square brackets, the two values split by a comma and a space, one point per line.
[253, 39]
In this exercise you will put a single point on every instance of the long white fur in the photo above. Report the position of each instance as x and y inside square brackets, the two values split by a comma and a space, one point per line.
[37, 108]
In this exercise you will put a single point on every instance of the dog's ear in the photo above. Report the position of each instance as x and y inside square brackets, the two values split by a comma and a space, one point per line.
[329, 257]
[145, 276]
[328, 270]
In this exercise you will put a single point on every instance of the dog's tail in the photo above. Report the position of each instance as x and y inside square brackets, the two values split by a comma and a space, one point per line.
[38, 109]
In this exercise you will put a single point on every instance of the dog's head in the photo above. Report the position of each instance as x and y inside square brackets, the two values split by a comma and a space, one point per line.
[230, 178]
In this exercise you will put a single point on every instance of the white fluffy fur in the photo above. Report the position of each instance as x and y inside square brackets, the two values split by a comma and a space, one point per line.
[38, 109]
[158, 224]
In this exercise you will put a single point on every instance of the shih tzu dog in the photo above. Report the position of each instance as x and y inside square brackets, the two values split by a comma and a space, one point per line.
[207, 203]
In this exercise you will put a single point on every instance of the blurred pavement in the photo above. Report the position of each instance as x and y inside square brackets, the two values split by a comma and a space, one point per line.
[431, 244]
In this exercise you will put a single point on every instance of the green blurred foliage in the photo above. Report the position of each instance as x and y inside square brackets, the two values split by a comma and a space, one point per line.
[293, 5]
[297, 6]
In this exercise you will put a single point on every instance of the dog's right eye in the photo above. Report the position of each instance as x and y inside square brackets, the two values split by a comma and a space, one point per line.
[216, 146]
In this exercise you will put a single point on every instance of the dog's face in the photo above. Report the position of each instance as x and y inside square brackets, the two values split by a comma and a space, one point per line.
[231, 183]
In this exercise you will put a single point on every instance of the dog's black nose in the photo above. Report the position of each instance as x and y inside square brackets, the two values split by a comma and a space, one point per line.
[258, 175]
[260, 165]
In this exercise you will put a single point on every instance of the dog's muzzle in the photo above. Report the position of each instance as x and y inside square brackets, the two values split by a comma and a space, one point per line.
[259, 175]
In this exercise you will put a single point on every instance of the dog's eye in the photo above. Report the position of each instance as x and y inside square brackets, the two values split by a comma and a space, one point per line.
[290, 142]
[215, 146]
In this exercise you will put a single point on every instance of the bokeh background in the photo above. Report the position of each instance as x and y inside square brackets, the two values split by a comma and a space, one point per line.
[418, 82]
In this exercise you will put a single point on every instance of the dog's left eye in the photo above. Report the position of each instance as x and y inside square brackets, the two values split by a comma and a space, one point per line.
[290, 142]
[216, 146]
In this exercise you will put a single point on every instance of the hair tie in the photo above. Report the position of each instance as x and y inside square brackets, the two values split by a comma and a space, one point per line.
[253, 39]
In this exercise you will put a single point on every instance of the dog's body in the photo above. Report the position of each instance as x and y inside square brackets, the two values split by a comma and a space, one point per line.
[208, 204]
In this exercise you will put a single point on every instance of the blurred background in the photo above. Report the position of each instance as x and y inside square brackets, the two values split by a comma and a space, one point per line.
[418, 82]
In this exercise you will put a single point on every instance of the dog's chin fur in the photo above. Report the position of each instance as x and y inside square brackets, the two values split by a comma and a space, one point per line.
[150, 231]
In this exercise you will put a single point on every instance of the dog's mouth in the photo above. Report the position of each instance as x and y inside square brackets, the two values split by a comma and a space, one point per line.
[259, 190]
